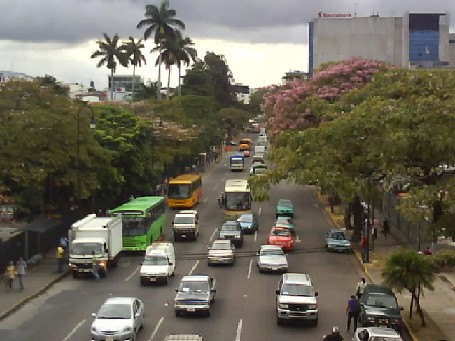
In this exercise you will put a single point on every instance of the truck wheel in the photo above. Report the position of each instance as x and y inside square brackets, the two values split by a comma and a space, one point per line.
[75, 274]
[207, 313]
[177, 313]
[279, 321]
[103, 273]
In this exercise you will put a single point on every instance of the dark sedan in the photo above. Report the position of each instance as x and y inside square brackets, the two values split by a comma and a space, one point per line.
[232, 231]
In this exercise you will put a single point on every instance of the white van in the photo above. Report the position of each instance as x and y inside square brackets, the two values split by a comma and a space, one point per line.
[186, 225]
[262, 132]
[158, 264]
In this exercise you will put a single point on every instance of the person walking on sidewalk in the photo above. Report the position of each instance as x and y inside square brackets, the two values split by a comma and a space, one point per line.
[11, 273]
[364, 248]
[360, 287]
[385, 228]
[60, 258]
[95, 266]
[353, 312]
[21, 265]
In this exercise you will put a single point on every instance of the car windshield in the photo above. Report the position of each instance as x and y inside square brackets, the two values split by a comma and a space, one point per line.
[114, 311]
[221, 246]
[229, 227]
[86, 248]
[183, 220]
[284, 220]
[338, 236]
[280, 232]
[196, 286]
[285, 203]
[246, 218]
[272, 252]
[382, 301]
[292, 289]
[155, 260]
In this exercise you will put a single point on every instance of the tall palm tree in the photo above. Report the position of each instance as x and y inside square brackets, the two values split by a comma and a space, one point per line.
[133, 51]
[110, 53]
[168, 53]
[186, 54]
[160, 21]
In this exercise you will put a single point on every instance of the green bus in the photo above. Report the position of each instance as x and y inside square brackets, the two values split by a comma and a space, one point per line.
[143, 220]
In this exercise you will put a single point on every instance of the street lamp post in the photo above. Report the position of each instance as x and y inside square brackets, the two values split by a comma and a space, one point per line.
[78, 163]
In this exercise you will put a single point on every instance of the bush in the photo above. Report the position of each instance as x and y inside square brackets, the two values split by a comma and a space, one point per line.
[444, 258]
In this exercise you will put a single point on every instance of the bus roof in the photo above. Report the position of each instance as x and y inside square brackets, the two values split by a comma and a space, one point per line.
[237, 156]
[185, 179]
[139, 204]
[245, 140]
[236, 185]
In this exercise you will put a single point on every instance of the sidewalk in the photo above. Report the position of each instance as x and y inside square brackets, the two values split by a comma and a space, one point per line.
[438, 305]
[38, 279]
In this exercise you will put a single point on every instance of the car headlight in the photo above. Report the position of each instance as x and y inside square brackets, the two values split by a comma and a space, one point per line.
[127, 329]
[370, 318]
[94, 329]
[283, 306]
[312, 306]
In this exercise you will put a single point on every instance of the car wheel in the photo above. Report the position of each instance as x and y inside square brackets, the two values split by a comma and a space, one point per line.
[207, 314]
[177, 313]
[315, 322]
[75, 274]
[279, 321]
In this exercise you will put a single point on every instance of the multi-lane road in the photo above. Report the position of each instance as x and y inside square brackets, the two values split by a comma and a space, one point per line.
[245, 302]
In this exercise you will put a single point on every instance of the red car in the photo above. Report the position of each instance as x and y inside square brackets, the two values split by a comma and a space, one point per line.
[282, 237]
[246, 153]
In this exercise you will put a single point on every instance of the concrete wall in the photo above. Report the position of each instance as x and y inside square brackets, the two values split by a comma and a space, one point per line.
[377, 38]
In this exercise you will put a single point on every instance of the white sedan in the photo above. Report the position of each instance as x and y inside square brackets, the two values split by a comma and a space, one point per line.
[271, 258]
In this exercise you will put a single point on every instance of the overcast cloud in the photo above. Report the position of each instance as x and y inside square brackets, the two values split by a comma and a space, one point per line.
[57, 36]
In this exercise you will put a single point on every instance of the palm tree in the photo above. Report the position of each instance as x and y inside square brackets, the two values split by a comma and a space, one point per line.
[110, 54]
[160, 21]
[411, 271]
[132, 49]
[185, 53]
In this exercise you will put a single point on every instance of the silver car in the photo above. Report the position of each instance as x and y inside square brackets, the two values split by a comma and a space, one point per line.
[119, 318]
[376, 333]
[271, 258]
[221, 252]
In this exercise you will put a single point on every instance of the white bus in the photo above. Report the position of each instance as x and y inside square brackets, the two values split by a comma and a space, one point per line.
[237, 162]
[237, 199]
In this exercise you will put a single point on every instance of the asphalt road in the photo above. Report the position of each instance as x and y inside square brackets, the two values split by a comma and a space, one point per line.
[245, 302]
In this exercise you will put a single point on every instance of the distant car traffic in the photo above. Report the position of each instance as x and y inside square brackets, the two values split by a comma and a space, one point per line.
[336, 240]
[232, 231]
[271, 258]
[248, 222]
[282, 237]
[119, 318]
[184, 337]
[285, 207]
[221, 252]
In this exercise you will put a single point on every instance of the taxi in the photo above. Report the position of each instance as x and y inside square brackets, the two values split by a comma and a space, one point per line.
[282, 237]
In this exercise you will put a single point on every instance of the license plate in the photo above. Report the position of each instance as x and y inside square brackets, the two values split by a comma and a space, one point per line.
[152, 279]
[183, 235]
[192, 310]
[109, 338]
[274, 268]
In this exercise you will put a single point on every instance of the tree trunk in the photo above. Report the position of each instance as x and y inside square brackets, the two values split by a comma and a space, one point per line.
[411, 306]
[159, 73]
[419, 309]
[169, 83]
[134, 81]
[180, 77]
[357, 210]
[112, 85]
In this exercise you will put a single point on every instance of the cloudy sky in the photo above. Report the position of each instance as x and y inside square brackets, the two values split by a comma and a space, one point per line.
[261, 39]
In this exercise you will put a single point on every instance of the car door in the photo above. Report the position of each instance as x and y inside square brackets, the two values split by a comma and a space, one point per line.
[136, 315]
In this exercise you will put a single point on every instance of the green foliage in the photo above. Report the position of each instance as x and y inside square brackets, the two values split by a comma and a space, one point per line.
[443, 258]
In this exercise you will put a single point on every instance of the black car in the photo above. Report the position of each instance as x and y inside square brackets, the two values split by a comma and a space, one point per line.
[233, 231]
[379, 308]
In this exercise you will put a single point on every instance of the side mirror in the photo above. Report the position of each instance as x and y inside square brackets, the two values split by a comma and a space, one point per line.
[213, 290]
[176, 290]
[137, 315]
[94, 314]
[208, 247]
[141, 263]
[257, 253]
[172, 222]
[316, 294]
[401, 308]
[277, 291]
[170, 263]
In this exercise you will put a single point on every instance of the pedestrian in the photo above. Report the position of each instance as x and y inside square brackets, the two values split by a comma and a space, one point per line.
[64, 242]
[221, 200]
[21, 265]
[385, 228]
[11, 273]
[364, 248]
[428, 251]
[352, 311]
[6, 277]
[360, 287]
[60, 258]
[95, 266]
[334, 336]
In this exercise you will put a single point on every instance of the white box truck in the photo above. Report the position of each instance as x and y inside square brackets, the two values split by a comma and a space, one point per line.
[259, 150]
[158, 264]
[103, 235]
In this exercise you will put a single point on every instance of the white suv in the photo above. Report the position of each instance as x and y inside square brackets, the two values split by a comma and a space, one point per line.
[296, 299]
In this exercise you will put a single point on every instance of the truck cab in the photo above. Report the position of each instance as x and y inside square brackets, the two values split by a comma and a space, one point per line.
[186, 225]
[195, 294]
[158, 264]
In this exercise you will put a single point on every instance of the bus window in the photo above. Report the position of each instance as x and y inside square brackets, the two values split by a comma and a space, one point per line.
[176, 191]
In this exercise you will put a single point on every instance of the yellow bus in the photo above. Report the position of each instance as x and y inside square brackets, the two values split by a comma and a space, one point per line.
[184, 191]
[245, 144]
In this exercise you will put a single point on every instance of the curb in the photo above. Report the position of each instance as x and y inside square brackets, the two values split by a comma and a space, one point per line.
[27, 299]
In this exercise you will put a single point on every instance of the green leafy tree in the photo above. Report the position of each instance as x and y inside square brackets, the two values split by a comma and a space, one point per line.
[197, 81]
[410, 271]
[110, 53]
[221, 77]
[133, 50]
[160, 22]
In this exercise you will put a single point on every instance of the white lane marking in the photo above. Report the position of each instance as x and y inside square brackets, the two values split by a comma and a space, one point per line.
[213, 235]
[260, 210]
[239, 330]
[193, 268]
[206, 199]
[134, 272]
[249, 268]
[68, 337]
[156, 329]
[255, 235]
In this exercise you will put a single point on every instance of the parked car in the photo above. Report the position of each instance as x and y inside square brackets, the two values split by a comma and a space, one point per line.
[119, 318]
[282, 237]
[296, 299]
[285, 207]
[376, 333]
[221, 252]
[379, 308]
[248, 222]
[271, 258]
[286, 222]
[232, 231]
[184, 337]
[336, 240]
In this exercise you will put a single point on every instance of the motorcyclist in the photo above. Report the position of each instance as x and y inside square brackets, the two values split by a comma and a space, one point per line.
[334, 336]
[221, 200]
